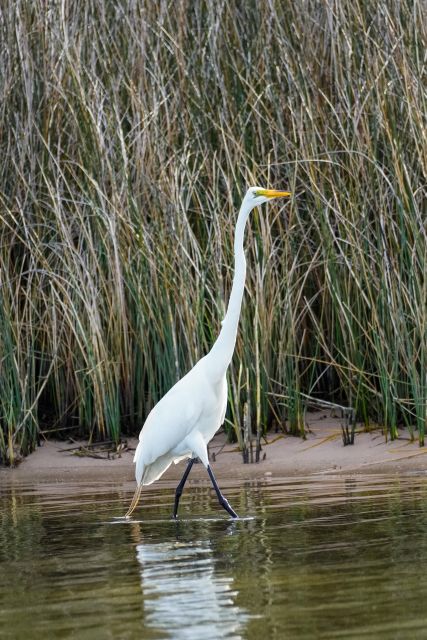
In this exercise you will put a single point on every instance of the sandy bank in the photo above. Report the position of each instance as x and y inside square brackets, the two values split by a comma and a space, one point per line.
[321, 453]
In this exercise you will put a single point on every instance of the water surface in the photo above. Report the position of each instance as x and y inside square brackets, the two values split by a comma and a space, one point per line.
[326, 558]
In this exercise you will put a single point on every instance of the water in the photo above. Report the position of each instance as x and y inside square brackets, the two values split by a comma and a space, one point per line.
[328, 558]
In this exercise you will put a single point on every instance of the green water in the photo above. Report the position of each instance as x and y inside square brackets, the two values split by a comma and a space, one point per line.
[331, 558]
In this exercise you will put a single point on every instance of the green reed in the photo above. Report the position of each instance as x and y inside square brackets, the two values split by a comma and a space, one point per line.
[130, 132]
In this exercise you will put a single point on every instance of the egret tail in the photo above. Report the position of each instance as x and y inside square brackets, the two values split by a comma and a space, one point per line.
[135, 501]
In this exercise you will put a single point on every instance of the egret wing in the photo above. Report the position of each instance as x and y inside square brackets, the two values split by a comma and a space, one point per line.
[168, 423]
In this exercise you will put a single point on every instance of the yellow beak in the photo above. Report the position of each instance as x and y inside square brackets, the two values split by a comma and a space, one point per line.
[271, 193]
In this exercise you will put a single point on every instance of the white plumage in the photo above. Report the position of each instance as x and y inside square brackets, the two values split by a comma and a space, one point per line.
[171, 435]
[187, 417]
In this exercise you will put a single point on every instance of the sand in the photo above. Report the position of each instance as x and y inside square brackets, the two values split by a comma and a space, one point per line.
[282, 456]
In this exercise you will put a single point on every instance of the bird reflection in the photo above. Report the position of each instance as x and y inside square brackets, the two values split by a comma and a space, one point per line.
[183, 596]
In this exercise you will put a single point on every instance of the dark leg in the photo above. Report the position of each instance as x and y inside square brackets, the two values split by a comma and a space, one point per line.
[222, 500]
[180, 487]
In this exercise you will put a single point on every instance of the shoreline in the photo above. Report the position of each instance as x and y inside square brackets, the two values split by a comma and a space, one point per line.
[322, 453]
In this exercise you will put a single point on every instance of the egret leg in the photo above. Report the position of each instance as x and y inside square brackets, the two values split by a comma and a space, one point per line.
[222, 500]
[180, 487]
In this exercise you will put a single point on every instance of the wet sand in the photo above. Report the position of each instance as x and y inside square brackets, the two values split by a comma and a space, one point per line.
[321, 453]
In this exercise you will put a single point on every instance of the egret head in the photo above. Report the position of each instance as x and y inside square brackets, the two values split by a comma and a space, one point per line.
[258, 195]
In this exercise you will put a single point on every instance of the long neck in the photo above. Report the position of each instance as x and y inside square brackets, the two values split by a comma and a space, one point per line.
[222, 351]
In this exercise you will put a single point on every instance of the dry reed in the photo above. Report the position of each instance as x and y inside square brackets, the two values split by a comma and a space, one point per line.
[130, 131]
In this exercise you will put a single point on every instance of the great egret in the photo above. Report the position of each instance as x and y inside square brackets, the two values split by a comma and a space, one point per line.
[188, 416]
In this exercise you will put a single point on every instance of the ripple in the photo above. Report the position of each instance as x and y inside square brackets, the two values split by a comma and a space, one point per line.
[331, 557]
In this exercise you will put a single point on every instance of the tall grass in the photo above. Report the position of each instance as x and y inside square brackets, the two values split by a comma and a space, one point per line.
[130, 131]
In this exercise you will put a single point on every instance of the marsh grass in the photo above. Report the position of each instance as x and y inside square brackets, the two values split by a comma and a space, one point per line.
[130, 132]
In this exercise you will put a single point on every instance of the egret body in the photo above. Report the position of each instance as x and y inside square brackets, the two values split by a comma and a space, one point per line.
[183, 422]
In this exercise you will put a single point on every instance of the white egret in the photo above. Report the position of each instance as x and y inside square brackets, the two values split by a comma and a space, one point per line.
[183, 422]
